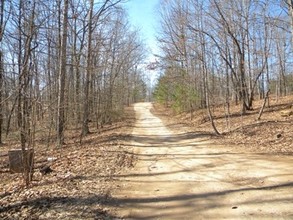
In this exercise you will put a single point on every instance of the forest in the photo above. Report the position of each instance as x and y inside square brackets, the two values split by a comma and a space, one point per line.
[223, 52]
[72, 70]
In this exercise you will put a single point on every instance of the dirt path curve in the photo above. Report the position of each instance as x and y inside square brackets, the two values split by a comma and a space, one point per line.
[181, 176]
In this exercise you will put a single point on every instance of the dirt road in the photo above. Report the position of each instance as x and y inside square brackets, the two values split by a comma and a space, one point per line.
[181, 176]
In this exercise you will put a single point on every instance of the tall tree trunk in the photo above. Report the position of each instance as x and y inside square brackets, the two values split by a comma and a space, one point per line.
[24, 83]
[85, 124]
[62, 74]
[206, 82]
[290, 4]
[207, 99]
[76, 63]
[1, 67]
[1, 92]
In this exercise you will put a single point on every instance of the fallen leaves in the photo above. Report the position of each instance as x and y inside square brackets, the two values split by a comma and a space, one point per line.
[272, 134]
[80, 184]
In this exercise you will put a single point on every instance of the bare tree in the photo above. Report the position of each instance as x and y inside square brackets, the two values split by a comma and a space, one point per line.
[85, 126]
[290, 6]
[27, 32]
[229, 51]
[2, 28]
[63, 64]
[105, 7]
[62, 74]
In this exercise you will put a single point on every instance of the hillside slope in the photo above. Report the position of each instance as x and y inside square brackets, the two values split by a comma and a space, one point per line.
[273, 133]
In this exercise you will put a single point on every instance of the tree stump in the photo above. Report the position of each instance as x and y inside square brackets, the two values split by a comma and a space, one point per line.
[16, 162]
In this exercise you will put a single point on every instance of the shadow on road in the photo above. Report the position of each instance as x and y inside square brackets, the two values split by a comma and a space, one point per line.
[180, 175]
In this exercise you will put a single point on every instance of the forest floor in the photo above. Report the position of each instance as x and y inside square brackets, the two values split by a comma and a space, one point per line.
[81, 181]
[153, 169]
[273, 133]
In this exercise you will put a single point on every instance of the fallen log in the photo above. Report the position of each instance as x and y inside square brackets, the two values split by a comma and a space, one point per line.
[286, 113]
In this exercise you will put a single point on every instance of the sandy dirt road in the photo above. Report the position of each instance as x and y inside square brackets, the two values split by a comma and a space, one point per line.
[181, 176]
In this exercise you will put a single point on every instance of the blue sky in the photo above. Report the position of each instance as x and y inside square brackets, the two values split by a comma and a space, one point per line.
[143, 14]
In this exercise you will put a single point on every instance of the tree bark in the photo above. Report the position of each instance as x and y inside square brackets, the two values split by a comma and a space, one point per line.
[290, 4]
[24, 82]
[1, 67]
[85, 124]
[263, 105]
[62, 77]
